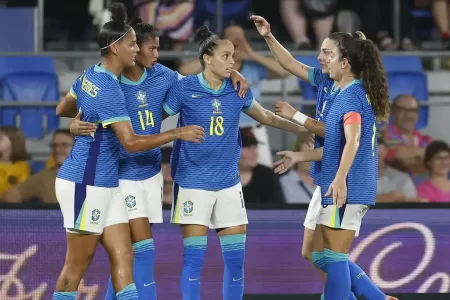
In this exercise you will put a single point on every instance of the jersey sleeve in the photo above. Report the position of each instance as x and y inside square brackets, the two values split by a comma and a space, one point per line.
[351, 103]
[74, 90]
[249, 101]
[110, 104]
[316, 77]
[173, 102]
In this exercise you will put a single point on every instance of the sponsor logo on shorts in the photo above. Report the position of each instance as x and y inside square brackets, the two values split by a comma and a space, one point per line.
[130, 201]
[188, 208]
[95, 216]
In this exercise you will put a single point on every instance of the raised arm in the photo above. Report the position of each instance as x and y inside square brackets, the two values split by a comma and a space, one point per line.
[284, 58]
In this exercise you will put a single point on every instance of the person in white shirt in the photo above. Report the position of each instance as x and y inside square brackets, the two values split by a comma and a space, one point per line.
[393, 185]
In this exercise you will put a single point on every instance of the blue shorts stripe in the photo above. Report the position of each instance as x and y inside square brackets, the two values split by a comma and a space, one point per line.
[80, 196]
[176, 189]
[94, 151]
[341, 213]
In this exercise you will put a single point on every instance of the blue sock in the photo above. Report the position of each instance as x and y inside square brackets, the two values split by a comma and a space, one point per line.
[362, 285]
[64, 295]
[110, 293]
[144, 261]
[233, 250]
[128, 293]
[318, 260]
[338, 284]
[194, 254]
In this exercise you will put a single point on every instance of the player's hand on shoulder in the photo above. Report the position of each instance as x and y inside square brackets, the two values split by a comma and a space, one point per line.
[288, 159]
[236, 78]
[261, 24]
[338, 189]
[78, 127]
[284, 110]
[191, 133]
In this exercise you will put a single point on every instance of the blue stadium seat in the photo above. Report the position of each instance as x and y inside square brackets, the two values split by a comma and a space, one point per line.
[233, 11]
[37, 166]
[30, 79]
[402, 64]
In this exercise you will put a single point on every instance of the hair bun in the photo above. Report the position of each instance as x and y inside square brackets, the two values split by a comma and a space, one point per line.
[135, 21]
[202, 34]
[118, 12]
[360, 35]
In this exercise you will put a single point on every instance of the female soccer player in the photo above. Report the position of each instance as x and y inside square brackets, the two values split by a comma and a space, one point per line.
[86, 185]
[207, 191]
[327, 91]
[351, 173]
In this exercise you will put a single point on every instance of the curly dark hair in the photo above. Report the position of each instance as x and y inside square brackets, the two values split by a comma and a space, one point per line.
[365, 61]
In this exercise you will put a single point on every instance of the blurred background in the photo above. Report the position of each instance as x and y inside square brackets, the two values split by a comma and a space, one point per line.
[46, 44]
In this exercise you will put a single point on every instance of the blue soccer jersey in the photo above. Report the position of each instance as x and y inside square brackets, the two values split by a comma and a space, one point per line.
[362, 177]
[144, 100]
[325, 96]
[94, 160]
[213, 164]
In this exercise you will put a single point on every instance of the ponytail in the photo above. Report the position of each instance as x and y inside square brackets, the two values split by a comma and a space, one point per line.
[374, 79]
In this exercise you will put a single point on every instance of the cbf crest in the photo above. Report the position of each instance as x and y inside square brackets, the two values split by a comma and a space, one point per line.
[188, 208]
[130, 201]
[95, 215]
[216, 106]
[141, 97]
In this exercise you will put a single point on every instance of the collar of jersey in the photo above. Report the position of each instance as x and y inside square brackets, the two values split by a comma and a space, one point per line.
[125, 80]
[350, 84]
[206, 86]
[100, 69]
[335, 88]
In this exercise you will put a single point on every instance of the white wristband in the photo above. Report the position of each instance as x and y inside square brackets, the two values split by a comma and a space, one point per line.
[300, 118]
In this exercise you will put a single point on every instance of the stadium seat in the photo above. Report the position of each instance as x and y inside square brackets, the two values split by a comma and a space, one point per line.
[233, 11]
[402, 64]
[30, 79]
[37, 166]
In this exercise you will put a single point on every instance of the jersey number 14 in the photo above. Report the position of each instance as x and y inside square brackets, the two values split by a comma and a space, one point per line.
[148, 119]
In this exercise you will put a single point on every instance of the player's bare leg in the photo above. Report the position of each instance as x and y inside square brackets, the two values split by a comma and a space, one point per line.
[80, 252]
[116, 240]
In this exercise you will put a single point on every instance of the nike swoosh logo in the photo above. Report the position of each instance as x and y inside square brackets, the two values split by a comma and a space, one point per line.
[234, 279]
[147, 284]
[195, 96]
[193, 279]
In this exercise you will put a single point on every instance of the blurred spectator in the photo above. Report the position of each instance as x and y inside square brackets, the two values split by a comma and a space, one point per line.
[166, 171]
[393, 185]
[297, 13]
[259, 183]
[42, 184]
[406, 145]
[297, 185]
[14, 167]
[174, 20]
[437, 161]
[255, 68]
[387, 26]
[441, 15]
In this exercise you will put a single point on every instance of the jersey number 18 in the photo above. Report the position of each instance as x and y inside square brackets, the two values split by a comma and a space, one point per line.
[216, 126]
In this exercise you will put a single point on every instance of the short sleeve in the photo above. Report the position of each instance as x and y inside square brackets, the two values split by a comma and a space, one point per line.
[249, 101]
[351, 103]
[173, 102]
[408, 188]
[316, 77]
[75, 89]
[110, 104]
